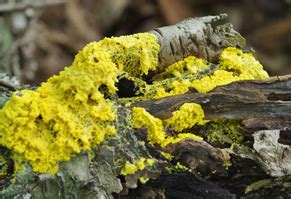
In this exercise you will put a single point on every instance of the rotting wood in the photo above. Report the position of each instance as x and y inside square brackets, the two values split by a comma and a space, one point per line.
[266, 99]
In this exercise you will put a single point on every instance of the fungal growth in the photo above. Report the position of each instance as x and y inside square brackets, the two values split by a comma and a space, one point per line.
[77, 110]
[72, 111]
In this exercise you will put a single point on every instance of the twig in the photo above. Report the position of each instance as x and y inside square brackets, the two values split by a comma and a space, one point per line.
[9, 7]
[25, 39]
[8, 83]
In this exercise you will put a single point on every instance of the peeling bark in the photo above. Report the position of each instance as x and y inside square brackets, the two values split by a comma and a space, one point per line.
[275, 158]
[203, 37]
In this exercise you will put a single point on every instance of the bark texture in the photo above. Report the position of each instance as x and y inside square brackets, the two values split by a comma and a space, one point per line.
[203, 37]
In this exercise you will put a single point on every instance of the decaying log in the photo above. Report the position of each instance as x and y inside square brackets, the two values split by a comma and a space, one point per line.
[263, 107]
[199, 156]
[267, 101]
[260, 105]
[180, 185]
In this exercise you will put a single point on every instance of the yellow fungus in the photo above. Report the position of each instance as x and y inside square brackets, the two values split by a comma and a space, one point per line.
[141, 164]
[191, 65]
[156, 135]
[141, 118]
[234, 65]
[187, 116]
[70, 113]
[135, 54]
[219, 78]
[244, 65]
[167, 155]
[143, 180]
[181, 136]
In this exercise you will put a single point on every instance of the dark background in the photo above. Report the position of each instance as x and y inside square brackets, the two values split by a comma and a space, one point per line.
[55, 33]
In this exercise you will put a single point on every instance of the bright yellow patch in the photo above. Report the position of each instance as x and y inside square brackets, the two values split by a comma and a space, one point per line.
[155, 134]
[219, 78]
[243, 65]
[181, 136]
[141, 118]
[234, 66]
[143, 180]
[69, 113]
[176, 88]
[187, 116]
[167, 155]
[191, 65]
[131, 168]
[135, 54]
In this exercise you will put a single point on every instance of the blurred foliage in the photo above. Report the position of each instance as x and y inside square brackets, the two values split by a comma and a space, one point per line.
[6, 41]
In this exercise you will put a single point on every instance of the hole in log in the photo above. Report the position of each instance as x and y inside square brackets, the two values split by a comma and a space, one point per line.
[126, 88]
[285, 136]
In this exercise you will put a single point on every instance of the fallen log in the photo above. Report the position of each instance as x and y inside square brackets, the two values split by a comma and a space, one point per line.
[180, 134]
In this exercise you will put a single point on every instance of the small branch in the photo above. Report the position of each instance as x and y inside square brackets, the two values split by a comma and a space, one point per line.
[14, 6]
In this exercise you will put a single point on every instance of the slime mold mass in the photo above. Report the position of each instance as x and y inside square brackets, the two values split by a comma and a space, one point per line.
[72, 112]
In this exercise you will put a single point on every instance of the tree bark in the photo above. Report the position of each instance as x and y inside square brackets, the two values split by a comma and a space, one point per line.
[268, 99]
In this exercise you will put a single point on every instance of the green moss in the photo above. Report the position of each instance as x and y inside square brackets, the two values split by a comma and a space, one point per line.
[178, 168]
[227, 164]
[143, 180]
[224, 131]
[3, 167]
[167, 155]
[261, 184]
